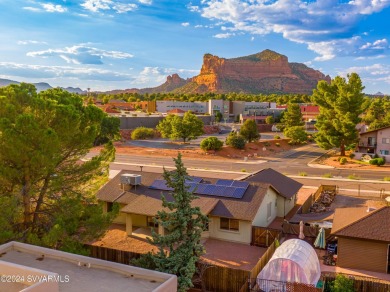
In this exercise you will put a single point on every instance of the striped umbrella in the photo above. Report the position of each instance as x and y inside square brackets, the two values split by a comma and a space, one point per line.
[320, 240]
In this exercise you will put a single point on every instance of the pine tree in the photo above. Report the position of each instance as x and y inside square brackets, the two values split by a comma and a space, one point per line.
[292, 116]
[180, 248]
[341, 103]
[250, 131]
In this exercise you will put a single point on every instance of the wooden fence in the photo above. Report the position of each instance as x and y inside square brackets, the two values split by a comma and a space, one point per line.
[314, 197]
[308, 231]
[361, 284]
[112, 255]
[264, 237]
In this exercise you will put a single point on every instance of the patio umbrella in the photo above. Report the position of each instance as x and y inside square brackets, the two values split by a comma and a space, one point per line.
[301, 234]
[320, 240]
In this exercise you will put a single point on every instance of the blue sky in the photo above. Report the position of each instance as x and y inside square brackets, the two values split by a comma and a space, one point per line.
[118, 44]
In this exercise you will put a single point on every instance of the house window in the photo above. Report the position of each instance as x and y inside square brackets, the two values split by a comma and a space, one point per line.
[269, 210]
[109, 206]
[371, 141]
[384, 152]
[229, 224]
[385, 140]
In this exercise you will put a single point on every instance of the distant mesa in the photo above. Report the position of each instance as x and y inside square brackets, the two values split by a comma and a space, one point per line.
[264, 72]
[41, 86]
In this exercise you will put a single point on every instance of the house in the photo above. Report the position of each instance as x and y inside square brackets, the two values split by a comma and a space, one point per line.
[25, 267]
[233, 207]
[363, 237]
[286, 187]
[374, 142]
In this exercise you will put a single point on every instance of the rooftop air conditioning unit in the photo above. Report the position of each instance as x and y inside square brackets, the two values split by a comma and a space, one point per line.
[131, 179]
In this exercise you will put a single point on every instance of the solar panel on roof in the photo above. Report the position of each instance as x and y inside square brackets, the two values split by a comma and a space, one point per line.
[229, 191]
[192, 186]
[209, 190]
[219, 191]
[224, 182]
[200, 189]
[194, 179]
[239, 193]
[160, 184]
[240, 184]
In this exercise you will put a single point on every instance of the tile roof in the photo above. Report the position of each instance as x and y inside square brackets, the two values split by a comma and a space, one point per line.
[284, 185]
[143, 200]
[358, 223]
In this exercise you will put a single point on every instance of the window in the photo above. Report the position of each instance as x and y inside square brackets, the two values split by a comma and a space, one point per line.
[384, 152]
[109, 206]
[385, 140]
[229, 224]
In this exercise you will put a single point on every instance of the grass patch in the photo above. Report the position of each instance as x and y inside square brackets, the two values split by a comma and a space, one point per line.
[327, 175]
[386, 178]
[353, 176]
[302, 173]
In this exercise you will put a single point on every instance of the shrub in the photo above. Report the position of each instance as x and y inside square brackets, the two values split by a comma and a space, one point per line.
[267, 144]
[243, 170]
[303, 173]
[377, 161]
[327, 175]
[236, 141]
[386, 178]
[277, 144]
[343, 160]
[351, 155]
[211, 143]
[142, 133]
[276, 137]
[342, 284]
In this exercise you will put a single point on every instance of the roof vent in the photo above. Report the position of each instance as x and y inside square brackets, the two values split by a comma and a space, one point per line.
[370, 209]
[131, 179]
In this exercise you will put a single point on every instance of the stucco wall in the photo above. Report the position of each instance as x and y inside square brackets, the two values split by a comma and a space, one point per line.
[243, 235]
[121, 218]
[261, 216]
[284, 205]
[139, 220]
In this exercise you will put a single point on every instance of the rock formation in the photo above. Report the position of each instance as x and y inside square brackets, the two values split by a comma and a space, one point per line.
[265, 72]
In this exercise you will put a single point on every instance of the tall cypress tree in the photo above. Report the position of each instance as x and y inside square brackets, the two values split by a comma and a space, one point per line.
[180, 248]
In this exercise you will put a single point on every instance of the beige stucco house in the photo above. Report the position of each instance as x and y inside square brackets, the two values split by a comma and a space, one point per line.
[232, 213]
[374, 142]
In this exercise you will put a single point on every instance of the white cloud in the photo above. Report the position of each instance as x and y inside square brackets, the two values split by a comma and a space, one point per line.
[81, 54]
[147, 2]
[223, 35]
[49, 72]
[49, 7]
[31, 42]
[185, 24]
[317, 24]
[374, 70]
[377, 45]
[118, 7]
[123, 8]
[158, 75]
[32, 9]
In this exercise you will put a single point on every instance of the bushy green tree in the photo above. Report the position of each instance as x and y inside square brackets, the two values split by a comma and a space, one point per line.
[211, 143]
[342, 284]
[51, 192]
[341, 103]
[142, 133]
[297, 134]
[109, 130]
[269, 120]
[292, 117]
[236, 141]
[378, 113]
[250, 131]
[187, 128]
[180, 248]
[218, 116]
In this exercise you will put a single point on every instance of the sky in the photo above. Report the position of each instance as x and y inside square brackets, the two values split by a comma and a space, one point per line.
[119, 44]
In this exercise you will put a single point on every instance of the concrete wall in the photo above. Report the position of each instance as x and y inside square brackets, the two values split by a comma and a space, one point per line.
[243, 235]
[163, 106]
[261, 218]
[129, 122]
